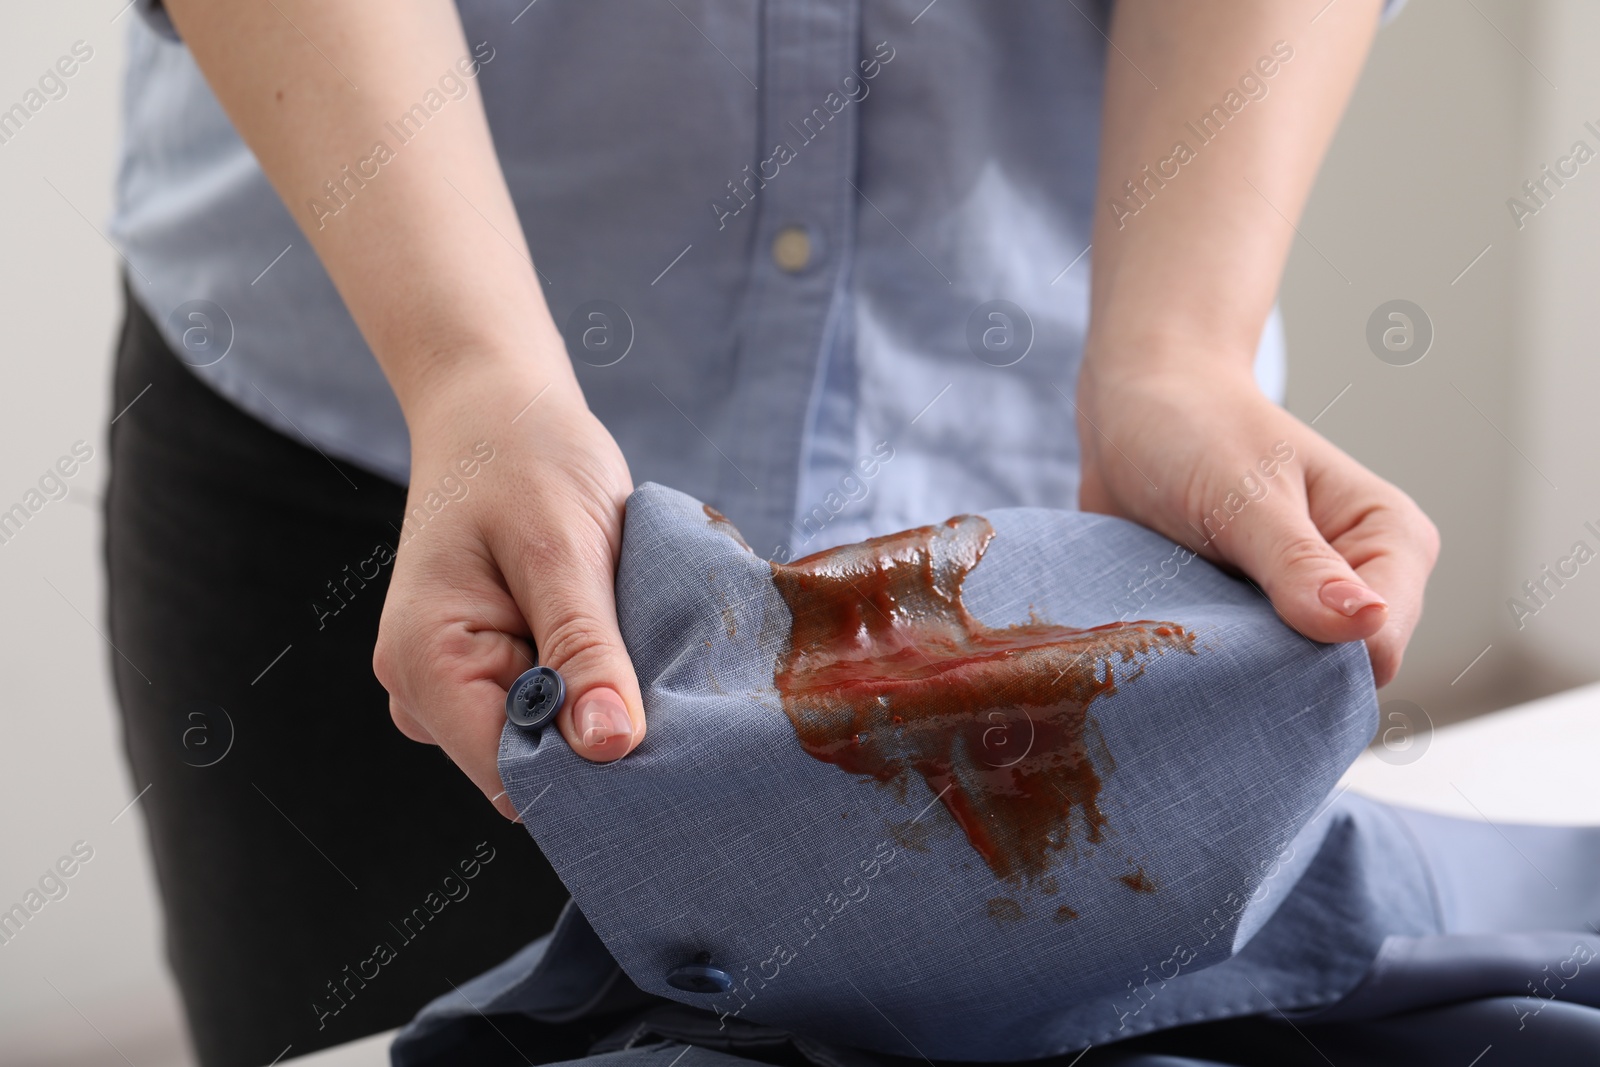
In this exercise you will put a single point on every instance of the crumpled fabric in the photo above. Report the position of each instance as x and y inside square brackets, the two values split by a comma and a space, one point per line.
[859, 916]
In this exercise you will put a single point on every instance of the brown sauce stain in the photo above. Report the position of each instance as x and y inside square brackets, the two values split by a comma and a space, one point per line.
[730, 618]
[720, 521]
[888, 675]
[1138, 881]
[1004, 909]
[1065, 914]
[910, 835]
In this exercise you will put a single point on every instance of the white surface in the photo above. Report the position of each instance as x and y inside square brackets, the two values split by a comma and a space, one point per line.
[1533, 763]
[369, 1052]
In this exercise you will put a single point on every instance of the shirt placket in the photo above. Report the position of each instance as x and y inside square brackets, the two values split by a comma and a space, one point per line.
[800, 189]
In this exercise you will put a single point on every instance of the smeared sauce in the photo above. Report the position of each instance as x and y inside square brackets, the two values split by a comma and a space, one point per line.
[1004, 909]
[1138, 881]
[888, 675]
[720, 522]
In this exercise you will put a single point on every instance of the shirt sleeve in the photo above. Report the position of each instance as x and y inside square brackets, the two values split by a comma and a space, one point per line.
[155, 16]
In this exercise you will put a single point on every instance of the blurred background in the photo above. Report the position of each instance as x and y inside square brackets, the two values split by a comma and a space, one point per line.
[1493, 431]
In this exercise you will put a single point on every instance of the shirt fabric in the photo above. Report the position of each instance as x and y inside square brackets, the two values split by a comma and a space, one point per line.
[665, 160]
[856, 915]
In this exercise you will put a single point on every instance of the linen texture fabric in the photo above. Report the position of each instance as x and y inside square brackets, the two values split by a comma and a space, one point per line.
[1266, 922]
[860, 912]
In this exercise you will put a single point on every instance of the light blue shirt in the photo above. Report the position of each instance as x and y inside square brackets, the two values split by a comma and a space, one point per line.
[773, 233]
[853, 893]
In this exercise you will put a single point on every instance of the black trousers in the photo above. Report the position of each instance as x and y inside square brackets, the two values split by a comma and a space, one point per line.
[321, 876]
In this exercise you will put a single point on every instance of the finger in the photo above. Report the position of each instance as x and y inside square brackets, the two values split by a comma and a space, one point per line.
[1309, 582]
[447, 672]
[409, 726]
[565, 584]
[1393, 548]
[520, 659]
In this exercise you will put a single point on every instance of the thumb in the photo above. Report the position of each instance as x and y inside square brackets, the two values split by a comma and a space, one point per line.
[571, 610]
[1310, 584]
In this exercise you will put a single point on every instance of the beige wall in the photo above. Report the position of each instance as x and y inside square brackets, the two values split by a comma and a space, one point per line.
[91, 959]
[1553, 361]
[1448, 121]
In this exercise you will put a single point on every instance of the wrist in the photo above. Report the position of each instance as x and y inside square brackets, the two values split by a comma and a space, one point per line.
[1113, 365]
[485, 385]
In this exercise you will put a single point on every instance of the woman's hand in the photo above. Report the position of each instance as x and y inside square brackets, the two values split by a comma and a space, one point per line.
[524, 547]
[1187, 262]
[1204, 458]
[432, 264]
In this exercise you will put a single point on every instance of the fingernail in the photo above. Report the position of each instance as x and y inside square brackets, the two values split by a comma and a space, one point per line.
[1348, 598]
[602, 717]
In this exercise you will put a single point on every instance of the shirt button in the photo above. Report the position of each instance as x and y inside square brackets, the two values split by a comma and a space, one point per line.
[791, 249]
[535, 697]
[700, 978]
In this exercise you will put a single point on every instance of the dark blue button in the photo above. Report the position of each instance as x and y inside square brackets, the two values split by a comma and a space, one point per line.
[535, 697]
[700, 978]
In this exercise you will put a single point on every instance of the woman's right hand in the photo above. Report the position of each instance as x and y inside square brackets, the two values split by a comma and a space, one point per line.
[430, 258]
[525, 547]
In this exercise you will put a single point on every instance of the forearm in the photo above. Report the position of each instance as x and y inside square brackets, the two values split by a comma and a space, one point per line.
[417, 230]
[1196, 207]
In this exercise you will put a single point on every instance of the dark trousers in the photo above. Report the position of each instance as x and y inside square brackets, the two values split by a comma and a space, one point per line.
[321, 876]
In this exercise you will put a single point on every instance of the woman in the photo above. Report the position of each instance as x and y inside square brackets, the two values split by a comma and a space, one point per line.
[824, 264]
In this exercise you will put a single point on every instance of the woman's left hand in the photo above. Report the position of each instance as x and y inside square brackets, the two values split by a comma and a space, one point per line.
[1204, 458]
